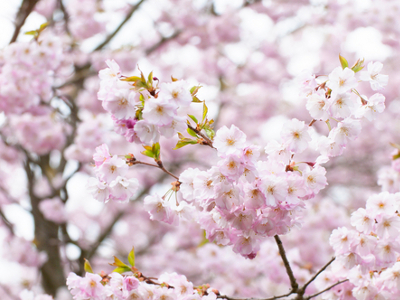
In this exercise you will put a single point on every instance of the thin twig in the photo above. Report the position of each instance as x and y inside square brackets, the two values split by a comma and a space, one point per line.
[114, 33]
[162, 42]
[6, 222]
[208, 142]
[289, 271]
[272, 298]
[159, 166]
[303, 289]
[327, 289]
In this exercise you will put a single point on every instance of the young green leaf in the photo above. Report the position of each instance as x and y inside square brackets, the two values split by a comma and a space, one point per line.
[150, 79]
[184, 142]
[358, 66]
[343, 62]
[196, 100]
[131, 257]
[88, 267]
[191, 132]
[121, 270]
[148, 153]
[205, 110]
[193, 118]
[156, 150]
[118, 263]
[131, 79]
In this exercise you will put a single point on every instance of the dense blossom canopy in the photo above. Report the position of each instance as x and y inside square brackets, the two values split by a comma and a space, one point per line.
[236, 149]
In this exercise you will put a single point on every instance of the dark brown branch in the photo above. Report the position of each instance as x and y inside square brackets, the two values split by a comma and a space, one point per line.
[25, 9]
[327, 289]
[289, 271]
[114, 33]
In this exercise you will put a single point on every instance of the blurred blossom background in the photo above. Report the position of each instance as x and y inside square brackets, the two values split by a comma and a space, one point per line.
[250, 58]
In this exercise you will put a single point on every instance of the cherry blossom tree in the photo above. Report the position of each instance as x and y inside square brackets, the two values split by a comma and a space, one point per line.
[216, 149]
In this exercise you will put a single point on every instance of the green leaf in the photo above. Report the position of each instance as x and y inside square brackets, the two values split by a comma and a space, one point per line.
[193, 118]
[343, 62]
[141, 84]
[205, 110]
[88, 267]
[121, 270]
[131, 257]
[32, 32]
[210, 133]
[156, 150]
[184, 142]
[181, 136]
[150, 79]
[358, 66]
[195, 89]
[196, 100]
[148, 153]
[118, 263]
[191, 132]
[132, 79]
[43, 26]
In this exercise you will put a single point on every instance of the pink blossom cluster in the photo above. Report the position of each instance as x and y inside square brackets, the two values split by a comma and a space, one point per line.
[116, 286]
[22, 251]
[336, 99]
[90, 133]
[53, 210]
[83, 23]
[111, 183]
[38, 133]
[389, 177]
[26, 73]
[138, 115]
[368, 253]
[242, 199]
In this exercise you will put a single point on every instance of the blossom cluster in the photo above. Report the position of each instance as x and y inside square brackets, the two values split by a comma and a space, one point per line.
[111, 183]
[389, 177]
[368, 253]
[242, 199]
[116, 286]
[142, 116]
[36, 63]
[337, 99]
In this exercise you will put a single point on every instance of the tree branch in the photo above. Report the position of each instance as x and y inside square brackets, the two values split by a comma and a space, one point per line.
[25, 9]
[159, 166]
[114, 33]
[303, 289]
[162, 42]
[208, 142]
[327, 289]
[289, 271]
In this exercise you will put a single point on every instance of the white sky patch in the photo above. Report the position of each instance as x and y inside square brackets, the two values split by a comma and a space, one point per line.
[256, 28]
[22, 220]
[366, 42]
